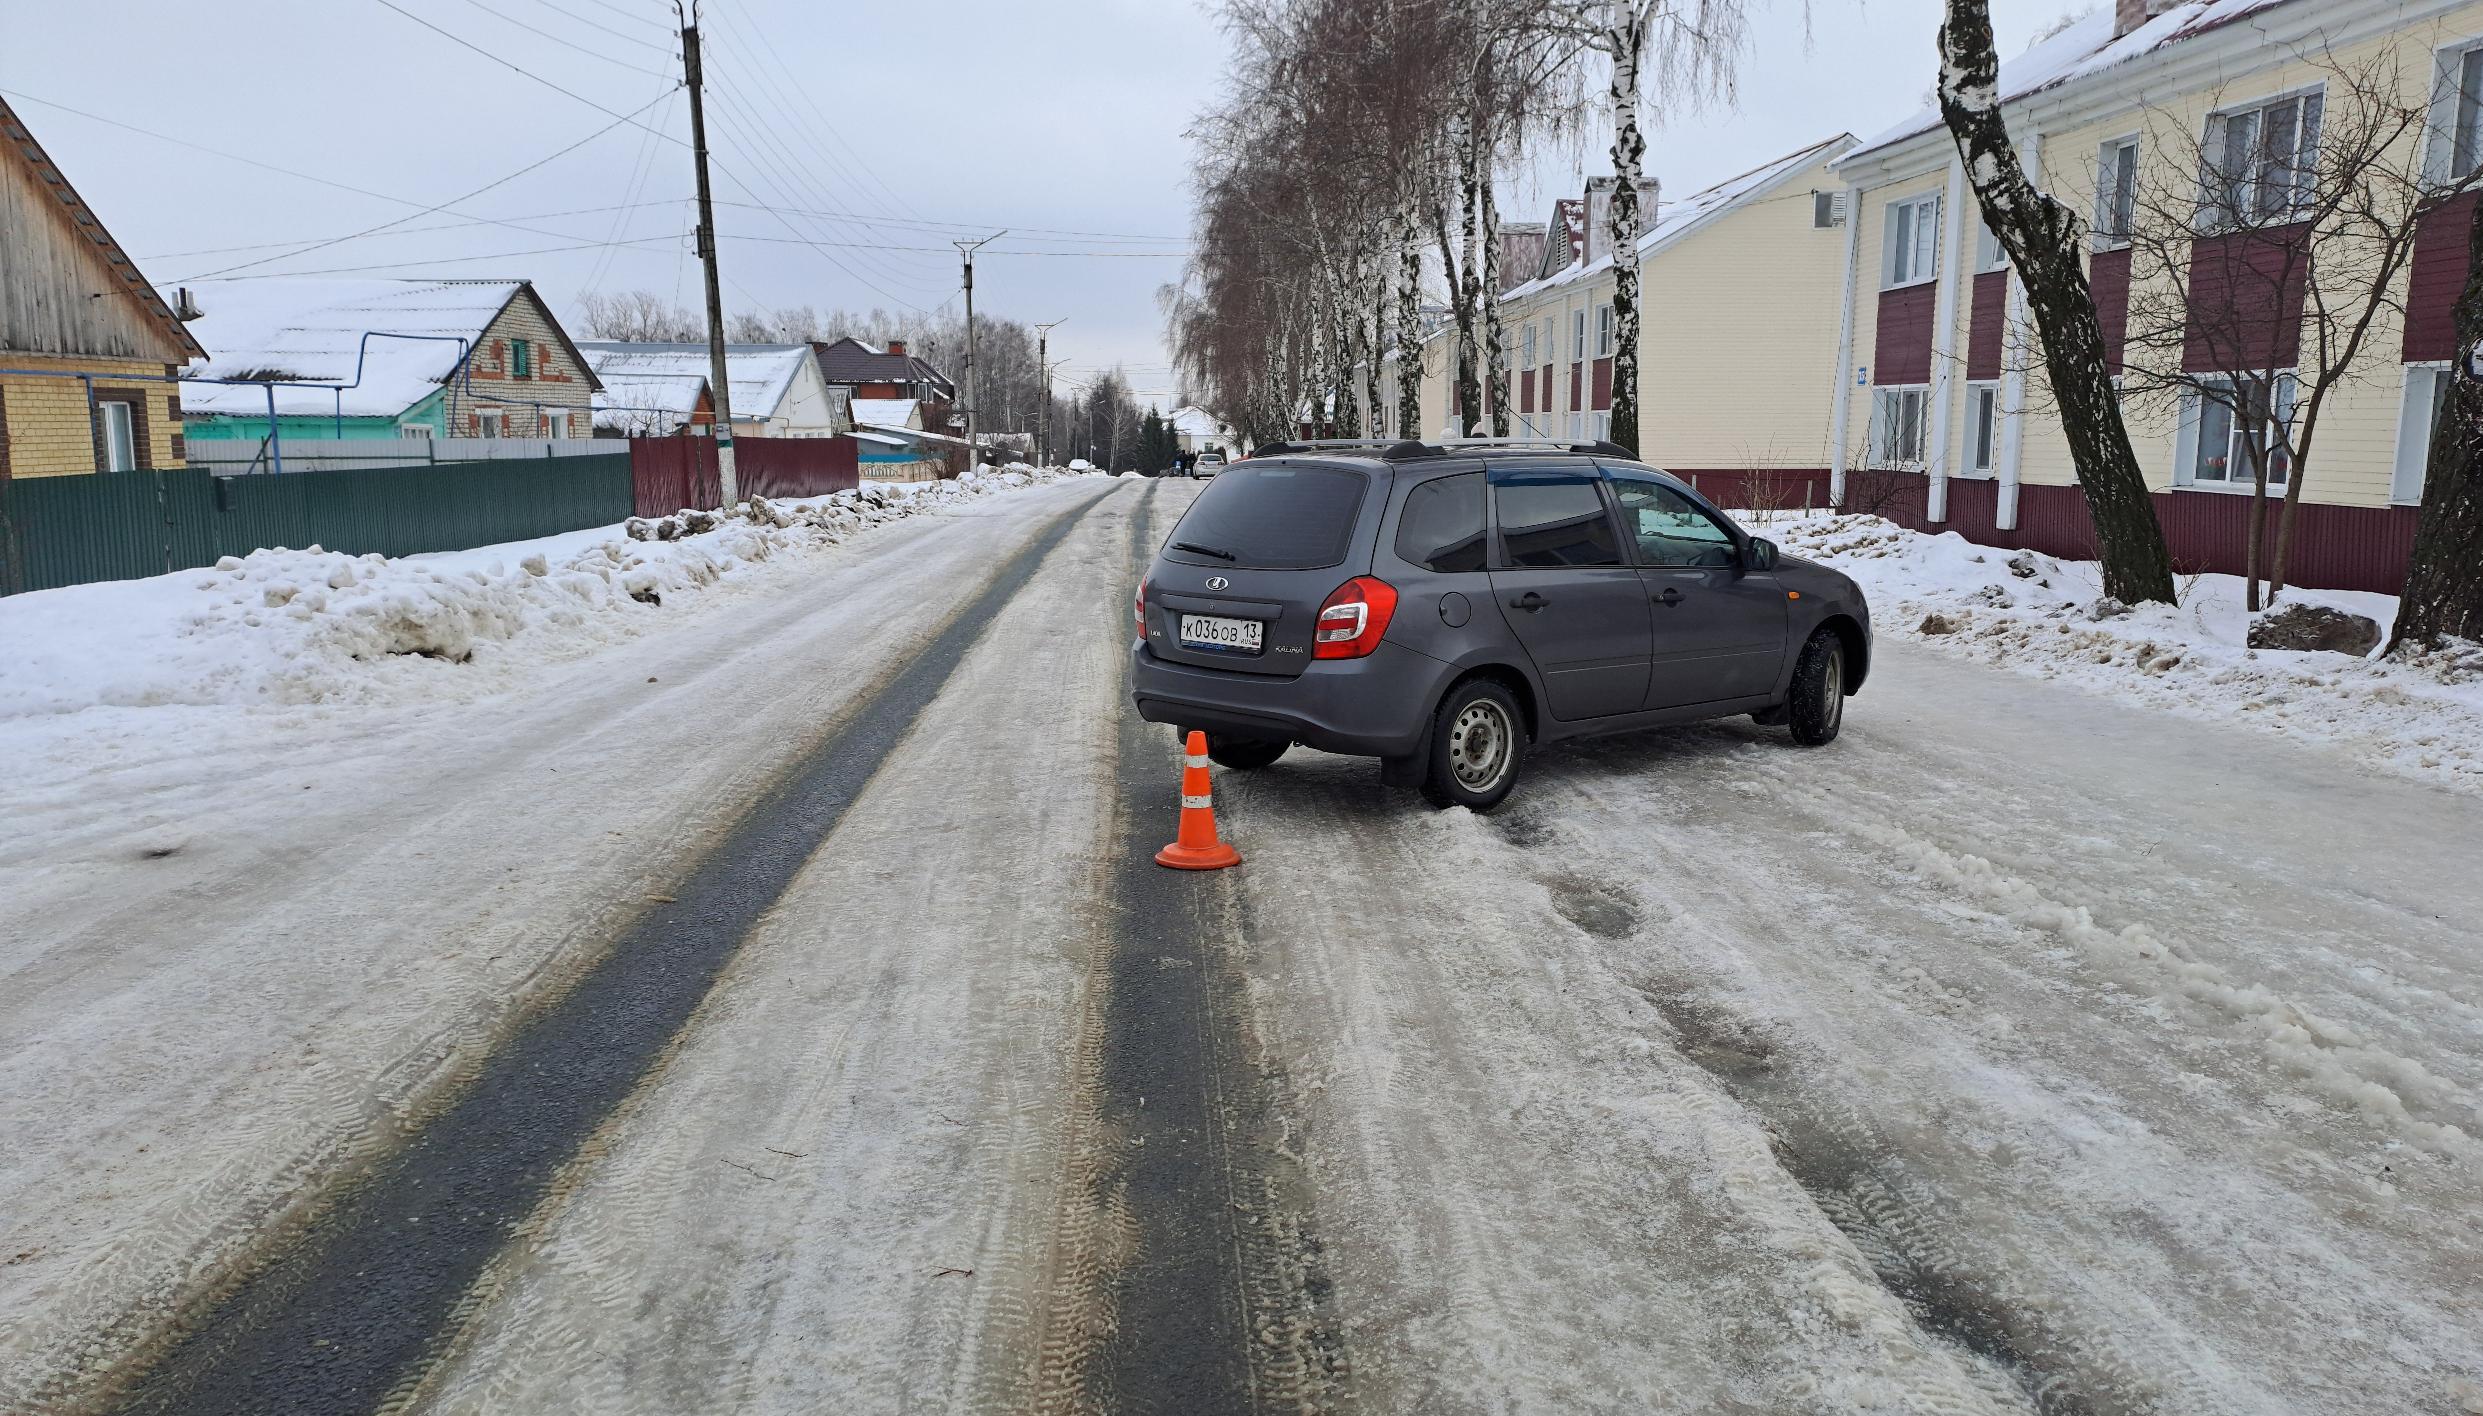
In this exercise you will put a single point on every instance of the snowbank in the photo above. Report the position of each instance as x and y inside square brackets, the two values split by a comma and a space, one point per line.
[313, 626]
[2039, 615]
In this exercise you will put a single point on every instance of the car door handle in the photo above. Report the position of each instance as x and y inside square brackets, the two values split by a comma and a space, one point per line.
[1530, 601]
[1670, 596]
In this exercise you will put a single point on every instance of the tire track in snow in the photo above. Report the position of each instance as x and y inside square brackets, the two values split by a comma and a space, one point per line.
[313, 1328]
[1190, 1274]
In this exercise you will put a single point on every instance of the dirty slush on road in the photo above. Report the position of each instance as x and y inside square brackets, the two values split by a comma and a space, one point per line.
[1183, 1269]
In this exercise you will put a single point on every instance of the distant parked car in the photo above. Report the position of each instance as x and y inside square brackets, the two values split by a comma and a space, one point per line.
[1445, 608]
[1207, 465]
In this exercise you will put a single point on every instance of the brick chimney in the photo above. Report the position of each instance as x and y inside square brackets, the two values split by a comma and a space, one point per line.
[1599, 192]
[2128, 15]
[897, 347]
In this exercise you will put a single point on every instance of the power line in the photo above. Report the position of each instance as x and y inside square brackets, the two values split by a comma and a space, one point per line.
[640, 241]
[668, 51]
[783, 178]
[871, 246]
[435, 226]
[565, 40]
[497, 182]
[518, 69]
[830, 129]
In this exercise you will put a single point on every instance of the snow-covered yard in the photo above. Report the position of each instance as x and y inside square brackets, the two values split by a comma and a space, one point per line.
[310, 626]
[2039, 615]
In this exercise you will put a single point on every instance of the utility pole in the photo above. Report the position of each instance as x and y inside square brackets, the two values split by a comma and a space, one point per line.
[967, 250]
[1043, 416]
[719, 384]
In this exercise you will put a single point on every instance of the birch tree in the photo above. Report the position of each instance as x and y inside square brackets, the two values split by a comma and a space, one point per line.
[2045, 240]
[2443, 596]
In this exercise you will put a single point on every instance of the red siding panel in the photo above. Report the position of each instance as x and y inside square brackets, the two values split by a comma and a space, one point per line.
[1577, 378]
[2334, 547]
[2108, 277]
[1526, 392]
[2246, 300]
[1903, 351]
[1773, 488]
[2438, 277]
[1603, 384]
[1991, 315]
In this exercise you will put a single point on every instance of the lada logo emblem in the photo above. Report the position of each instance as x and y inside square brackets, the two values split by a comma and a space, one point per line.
[1218, 582]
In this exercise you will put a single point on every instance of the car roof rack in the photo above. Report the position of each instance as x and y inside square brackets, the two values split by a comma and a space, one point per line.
[1400, 450]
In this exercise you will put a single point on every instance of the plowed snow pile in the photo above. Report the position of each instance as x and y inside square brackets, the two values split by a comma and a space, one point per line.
[313, 626]
[2038, 615]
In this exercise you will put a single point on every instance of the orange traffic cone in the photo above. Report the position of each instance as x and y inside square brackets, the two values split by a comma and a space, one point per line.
[1197, 847]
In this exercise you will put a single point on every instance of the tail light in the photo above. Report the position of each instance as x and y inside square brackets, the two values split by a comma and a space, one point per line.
[1142, 609]
[1352, 620]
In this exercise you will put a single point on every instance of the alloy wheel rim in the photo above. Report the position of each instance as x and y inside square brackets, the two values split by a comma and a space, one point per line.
[1478, 745]
[1832, 689]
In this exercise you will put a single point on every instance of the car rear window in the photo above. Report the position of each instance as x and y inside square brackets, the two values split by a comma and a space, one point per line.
[1271, 516]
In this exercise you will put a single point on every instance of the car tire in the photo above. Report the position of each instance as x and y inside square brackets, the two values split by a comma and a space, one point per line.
[1244, 754]
[1478, 744]
[1815, 705]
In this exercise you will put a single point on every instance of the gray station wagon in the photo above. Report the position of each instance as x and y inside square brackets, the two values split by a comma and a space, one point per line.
[1443, 607]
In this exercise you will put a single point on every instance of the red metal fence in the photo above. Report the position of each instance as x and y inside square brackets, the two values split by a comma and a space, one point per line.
[668, 474]
[2334, 547]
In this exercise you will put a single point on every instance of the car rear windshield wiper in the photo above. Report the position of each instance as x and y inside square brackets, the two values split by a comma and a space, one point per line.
[1205, 551]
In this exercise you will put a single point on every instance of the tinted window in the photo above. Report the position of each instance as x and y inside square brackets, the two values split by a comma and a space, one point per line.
[1441, 527]
[1555, 520]
[1271, 516]
[1670, 528]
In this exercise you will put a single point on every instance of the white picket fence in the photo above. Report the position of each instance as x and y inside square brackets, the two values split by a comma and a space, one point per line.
[227, 457]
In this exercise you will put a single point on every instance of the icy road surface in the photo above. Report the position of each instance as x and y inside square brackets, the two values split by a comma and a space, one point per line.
[2022, 1051]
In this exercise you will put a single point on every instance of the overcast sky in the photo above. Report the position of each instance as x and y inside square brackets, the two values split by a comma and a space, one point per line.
[838, 128]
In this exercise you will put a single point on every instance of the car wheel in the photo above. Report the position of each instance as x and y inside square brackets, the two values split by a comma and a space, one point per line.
[1244, 754]
[1478, 740]
[1816, 704]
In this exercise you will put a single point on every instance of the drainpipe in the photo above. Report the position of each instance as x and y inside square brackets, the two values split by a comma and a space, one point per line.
[87, 383]
[1842, 404]
[2013, 385]
[1939, 414]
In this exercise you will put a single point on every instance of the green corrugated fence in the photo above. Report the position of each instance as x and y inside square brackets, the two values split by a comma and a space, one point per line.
[121, 525]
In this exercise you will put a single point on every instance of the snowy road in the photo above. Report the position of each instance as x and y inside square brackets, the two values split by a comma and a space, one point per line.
[2023, 1051]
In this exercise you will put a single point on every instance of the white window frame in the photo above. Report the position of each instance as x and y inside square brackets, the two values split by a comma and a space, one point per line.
[1577, 335]
[2456, 113]
[1889, 424]
[2197, 408]
[2116, 206]
[413, 430]
[119, 451]
[1526, 345]
[1910, 245]
[491, 422]
[1606, 323]
[2417, 419]
[1984, 420]
[2219, 188]
[1989, 254]
[555, 423]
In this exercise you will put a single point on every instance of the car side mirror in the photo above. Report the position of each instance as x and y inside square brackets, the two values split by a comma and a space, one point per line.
[1762, 554]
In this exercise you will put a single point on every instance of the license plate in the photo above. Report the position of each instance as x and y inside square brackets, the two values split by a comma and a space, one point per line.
[1225, 636]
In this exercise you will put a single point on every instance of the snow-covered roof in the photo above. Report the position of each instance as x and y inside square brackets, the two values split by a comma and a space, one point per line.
[312, 328]
[2084, 48]
[631, 401]
[760, 375]
[1190, 420]
[889, 412]
[1676, 219]
[883, 439]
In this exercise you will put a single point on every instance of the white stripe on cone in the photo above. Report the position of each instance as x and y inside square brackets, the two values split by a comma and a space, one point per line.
[1194, 803]
[1195, 761]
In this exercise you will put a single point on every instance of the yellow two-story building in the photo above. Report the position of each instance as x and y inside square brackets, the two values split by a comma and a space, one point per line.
[2178, 128]
[1738, 285]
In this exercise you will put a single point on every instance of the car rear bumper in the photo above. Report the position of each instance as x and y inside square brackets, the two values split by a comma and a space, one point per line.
[1377, 706]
